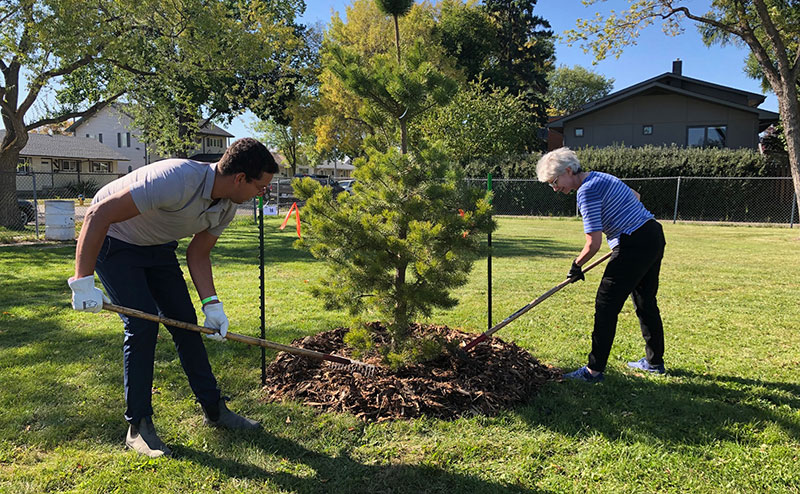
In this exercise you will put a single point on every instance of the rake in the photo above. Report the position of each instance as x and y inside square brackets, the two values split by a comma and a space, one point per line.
[530, 305]
[336, 360]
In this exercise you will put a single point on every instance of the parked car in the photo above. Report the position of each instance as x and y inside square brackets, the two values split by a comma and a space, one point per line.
[26, 213]
[282, 186]
[325, 181]
[347, 184]
[281, 191]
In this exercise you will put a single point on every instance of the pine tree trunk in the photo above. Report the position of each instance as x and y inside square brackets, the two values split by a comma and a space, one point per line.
[397, 38]
[403, 136]
[400, 330]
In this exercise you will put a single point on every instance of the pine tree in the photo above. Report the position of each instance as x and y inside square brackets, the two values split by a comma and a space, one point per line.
[410, 232]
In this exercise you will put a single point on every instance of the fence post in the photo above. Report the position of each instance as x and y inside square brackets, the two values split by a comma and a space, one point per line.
[794, 206]
[677, 194]
[35, 206]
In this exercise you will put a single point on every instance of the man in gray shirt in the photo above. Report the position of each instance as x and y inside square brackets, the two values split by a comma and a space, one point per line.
[129, 236]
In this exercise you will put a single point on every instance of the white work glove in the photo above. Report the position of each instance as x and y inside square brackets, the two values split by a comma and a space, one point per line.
[216, 319]
[85, 296]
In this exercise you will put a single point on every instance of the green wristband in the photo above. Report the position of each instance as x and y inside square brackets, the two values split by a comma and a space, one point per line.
[209, 299]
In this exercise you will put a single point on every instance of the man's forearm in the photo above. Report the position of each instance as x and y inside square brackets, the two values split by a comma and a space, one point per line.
[89, 242]
[200, 271]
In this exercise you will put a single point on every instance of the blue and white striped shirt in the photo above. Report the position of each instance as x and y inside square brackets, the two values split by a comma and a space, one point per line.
[610, 206]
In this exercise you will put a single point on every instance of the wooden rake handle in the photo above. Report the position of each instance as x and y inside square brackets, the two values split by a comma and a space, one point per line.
[531, 305]
[250, 340]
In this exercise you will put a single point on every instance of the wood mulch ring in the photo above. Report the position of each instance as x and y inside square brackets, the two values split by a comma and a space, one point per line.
[493, 376]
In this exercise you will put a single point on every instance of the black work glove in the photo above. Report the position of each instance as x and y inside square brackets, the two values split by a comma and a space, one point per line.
[576, 273]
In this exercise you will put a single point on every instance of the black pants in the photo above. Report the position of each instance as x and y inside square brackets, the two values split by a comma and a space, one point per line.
[149, 279]
[632, 270]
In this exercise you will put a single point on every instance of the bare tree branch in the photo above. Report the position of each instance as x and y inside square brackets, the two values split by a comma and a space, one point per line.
[705, 20]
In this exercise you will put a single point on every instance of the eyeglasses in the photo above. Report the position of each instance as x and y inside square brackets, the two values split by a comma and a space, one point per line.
[554, 183]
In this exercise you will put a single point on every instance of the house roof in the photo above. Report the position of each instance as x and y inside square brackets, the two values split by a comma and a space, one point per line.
[206, 128]
[61, 146]
[664, 83]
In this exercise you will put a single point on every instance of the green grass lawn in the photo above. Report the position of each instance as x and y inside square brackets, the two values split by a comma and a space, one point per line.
[726, 417]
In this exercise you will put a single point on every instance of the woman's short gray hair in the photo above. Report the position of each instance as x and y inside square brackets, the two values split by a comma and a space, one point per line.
[555, 163]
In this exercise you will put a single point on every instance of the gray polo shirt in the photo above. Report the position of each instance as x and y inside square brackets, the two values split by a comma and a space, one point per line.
[174, 199]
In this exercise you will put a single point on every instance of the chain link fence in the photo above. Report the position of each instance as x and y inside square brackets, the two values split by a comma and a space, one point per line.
[718, 199]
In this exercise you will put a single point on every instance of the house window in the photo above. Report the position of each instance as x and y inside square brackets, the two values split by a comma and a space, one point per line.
[65, 165]
[127, 139]
[578, 131]
[24, 165]
[707, 137]
[647, 130]
[119, 140]
[100, 137]
[101, 166]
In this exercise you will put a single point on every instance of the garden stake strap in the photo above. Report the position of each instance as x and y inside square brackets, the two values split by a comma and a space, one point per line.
[296, 217]
[530, 306]
[338, 361]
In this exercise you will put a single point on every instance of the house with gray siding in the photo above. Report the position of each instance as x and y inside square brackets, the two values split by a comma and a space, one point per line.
[668, 109]
[58, 160]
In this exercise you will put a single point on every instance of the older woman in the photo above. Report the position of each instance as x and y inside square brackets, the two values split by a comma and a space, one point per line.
[609, 206]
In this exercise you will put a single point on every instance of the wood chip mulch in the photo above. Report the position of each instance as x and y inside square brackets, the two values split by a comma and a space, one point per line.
[491, 377]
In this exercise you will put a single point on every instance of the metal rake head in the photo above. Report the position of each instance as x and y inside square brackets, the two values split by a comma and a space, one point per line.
[354, 366]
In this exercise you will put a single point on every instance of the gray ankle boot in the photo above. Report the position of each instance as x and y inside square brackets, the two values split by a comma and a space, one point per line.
[220, 416]
[143, 439]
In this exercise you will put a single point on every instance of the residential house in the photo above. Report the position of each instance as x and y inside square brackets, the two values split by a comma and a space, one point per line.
[113, 126]
[59, 160]
[330, 168]
[334, 168]
[668, 109]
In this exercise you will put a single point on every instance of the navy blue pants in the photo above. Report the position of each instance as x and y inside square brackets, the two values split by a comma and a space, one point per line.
[633, 270]
[149, 279]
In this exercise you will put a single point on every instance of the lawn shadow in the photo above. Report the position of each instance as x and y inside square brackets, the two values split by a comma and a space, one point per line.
[531, 247]
[242, 247]
[680, 408]
[342, 473]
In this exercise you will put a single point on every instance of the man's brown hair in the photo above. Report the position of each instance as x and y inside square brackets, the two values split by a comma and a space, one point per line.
[247, 156]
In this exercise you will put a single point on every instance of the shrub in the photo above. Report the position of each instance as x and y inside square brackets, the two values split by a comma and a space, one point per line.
[643, 162]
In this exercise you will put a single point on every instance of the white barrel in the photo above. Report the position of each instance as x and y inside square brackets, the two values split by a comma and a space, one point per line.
[59, 220]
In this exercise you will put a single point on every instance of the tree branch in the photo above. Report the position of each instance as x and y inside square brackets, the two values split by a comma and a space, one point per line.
[84, 114]
[774, 37]
[705, 20]
[39, 81]
[746, 33]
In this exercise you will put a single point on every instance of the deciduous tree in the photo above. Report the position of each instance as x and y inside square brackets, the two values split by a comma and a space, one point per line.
[478, 123]
[571, 88]
[769, 28]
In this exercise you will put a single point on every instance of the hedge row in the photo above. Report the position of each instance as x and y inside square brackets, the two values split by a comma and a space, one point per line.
[647, 161]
